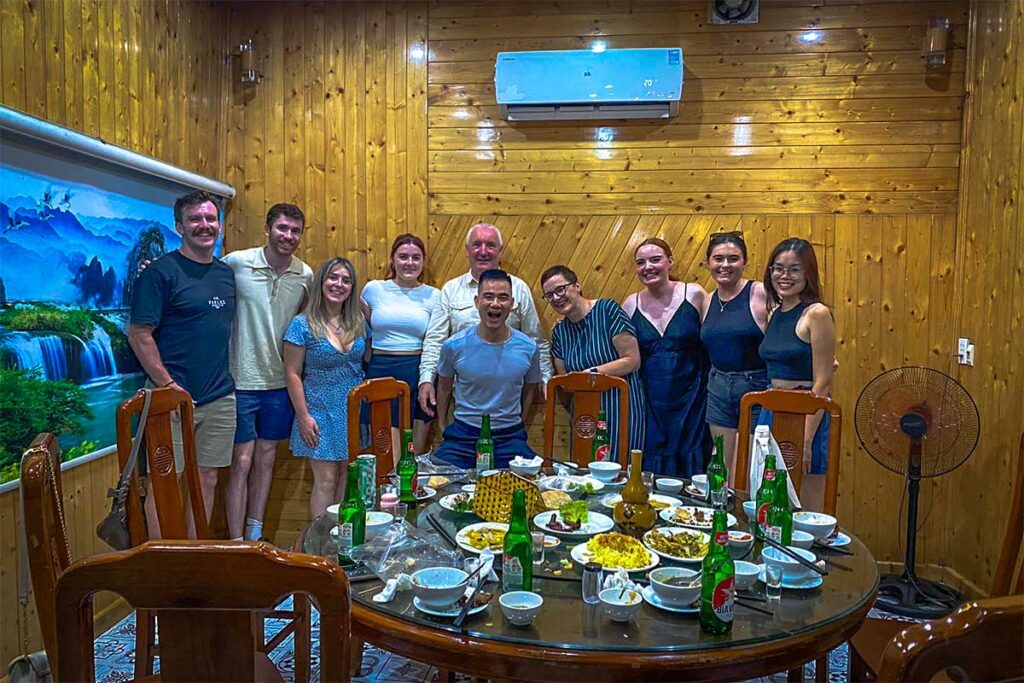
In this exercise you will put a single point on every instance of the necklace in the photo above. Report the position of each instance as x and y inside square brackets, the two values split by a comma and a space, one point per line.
[723, 304]
[335, 327]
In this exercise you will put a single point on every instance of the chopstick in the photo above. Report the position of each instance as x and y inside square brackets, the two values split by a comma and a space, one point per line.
[741, 603]
[441, 530]
[566, 463]
[835, 549]
[469, 604]
[805, 562]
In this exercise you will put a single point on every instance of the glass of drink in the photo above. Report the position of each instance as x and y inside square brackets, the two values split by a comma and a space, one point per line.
[591, 582]
[400, 511]
[648, 479]
[773, 581]
[538, 547]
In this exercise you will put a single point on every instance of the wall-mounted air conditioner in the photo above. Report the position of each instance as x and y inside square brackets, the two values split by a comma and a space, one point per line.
[641, 83]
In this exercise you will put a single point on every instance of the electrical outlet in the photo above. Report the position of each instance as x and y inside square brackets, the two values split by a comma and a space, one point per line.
[961, 350]
[969, 360]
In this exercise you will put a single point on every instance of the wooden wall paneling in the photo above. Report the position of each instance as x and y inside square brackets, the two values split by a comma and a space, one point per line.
[12, 53]
[317, 96]
[53, 54]
[416, 117]
[352, 239]
[35, 88]
[274, 92]
[395, 139]
[293, 99]
[376, 242]
[335, 112]
[122, 65]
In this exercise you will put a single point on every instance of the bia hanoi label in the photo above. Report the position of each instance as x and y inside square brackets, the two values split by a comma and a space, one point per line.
[345, 535]
[603, 452]
[762, 516]
[722, 538]
[722, 599]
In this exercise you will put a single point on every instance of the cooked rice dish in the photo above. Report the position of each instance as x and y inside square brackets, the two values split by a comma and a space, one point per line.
[615, 550]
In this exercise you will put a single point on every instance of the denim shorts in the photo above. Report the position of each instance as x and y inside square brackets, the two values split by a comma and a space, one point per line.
[725, 389]
[264, 414]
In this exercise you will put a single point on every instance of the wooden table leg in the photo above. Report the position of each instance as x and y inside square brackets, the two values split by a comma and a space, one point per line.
[795, 675]
[821, 669]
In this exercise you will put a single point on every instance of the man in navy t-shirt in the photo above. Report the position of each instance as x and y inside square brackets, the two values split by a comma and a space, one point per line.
[179, 329]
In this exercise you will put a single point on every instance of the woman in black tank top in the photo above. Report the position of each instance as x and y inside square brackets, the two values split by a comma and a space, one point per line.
[734, 318]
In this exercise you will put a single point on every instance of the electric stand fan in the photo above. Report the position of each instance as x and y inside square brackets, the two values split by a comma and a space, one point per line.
[916, 422]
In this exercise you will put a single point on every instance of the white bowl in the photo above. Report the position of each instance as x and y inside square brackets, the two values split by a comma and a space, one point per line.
[700, 482]
[439, 587]
[746, 574]
[817, 524]
[791, 568]
[802, 539]
[620, 609]
[669, 485]
[520, 607]
[740, 543]
[750, 510]
[487, 473]
[377, 522]
[603, 470]
[674, 595]
[332, 510]
[525, 470]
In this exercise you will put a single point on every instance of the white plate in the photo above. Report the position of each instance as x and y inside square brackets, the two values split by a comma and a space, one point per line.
[427, 493]
[448, 502]
[613, 499]
[469, 488]
[582, 555]
[596, 524]
[839, 541]
[652, 598]
[451, 612]
[555, 483]
[694, 492]
[676, 530]
[463, 535]
[806, 583]
[669, 515]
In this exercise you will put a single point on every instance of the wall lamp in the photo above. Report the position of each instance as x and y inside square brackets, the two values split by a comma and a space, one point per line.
[936, 43]
[247, 58]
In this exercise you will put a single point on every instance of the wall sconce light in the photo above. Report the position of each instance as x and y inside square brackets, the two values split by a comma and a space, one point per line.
[936, 42]
[247, 58]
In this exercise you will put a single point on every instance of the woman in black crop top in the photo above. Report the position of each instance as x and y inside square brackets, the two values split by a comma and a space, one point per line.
[734, 318]
[800, 342]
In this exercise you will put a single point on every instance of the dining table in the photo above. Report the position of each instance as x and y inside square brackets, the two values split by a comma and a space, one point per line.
[571, 640]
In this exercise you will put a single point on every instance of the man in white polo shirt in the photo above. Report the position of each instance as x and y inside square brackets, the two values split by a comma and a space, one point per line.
[272, 286]
[457, 310]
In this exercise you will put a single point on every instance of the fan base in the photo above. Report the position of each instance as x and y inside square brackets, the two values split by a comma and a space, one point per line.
[912, 596]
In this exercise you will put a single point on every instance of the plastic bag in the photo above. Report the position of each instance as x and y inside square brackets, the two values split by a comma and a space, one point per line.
[404, 549]
[765, 443]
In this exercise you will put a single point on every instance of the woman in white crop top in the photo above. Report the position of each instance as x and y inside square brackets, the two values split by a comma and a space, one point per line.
[398, 310]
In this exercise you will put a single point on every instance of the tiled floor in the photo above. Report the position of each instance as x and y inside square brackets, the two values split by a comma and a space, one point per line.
[115, 659]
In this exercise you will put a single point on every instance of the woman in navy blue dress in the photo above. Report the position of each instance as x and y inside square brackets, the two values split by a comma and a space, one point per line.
[673, 369]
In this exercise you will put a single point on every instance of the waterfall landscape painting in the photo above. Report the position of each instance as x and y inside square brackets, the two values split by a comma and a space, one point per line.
[72, 237]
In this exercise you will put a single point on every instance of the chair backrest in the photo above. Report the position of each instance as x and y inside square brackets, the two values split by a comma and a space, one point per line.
[981, 640]
[205, 592]
[586, 389]
[158, 449]
[46, 540]
[1006, 581]
[378, 393]
[790, 410]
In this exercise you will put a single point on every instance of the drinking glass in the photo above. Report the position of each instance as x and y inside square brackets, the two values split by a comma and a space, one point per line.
[648, 480]
[400, 511]
[538, 547]
[591, 582]
[773, 581]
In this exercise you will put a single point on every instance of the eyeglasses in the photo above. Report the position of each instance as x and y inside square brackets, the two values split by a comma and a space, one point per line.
[792, 271]
[557, 292]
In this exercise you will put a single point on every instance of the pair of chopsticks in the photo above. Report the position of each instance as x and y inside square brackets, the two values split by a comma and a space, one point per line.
[565, 463]
[439, 528]
[472, 596]
[832, 548]
[742, 601]
[805, 562]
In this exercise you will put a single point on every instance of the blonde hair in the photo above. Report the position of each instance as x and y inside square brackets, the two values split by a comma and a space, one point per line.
[352, 321]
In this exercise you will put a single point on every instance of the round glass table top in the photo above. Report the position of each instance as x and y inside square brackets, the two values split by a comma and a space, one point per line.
[565, 621]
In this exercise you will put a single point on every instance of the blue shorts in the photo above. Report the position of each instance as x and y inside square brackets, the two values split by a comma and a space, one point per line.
[459, 445]
[405, 369]
[725, 389]
[265, 414]
[819, 447]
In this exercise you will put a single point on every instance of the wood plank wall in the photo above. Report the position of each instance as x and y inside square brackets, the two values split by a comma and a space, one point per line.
[146, 75]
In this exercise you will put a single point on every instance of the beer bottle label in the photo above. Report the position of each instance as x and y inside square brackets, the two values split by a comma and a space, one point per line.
[511, 573]
[762, 516]
[722, 538]
[345, 535]
[483, 461]
[602, 425]
[603, 452]
[774, 532]
[722, 599]
[770, 475]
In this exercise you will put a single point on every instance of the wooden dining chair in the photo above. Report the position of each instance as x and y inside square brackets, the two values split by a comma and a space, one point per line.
[981, 641]
[870, 642]
[378, 393]
[46, 539]
[791, 409]
[205, 593]
[158, 449]
[586, 389]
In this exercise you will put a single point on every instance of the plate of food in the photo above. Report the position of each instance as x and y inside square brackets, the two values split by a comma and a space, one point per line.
[693, 517]
[616, 551]
[480, 602]
[457, 502]
[571, 484]
[554, 500]
[434, 481]
[657, 501]
[424, 492]
[573, 525]
[476, 537]
[678, 543]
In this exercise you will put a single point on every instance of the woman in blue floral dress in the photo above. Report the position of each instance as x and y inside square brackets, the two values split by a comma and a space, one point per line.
[324, 349]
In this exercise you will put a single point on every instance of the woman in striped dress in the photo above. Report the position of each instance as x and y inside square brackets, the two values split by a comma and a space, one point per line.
[596, 335]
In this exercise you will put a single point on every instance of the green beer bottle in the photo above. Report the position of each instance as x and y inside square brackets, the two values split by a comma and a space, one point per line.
[484, 447]
[351, 517]
[517, 551]
[765, 496]
[407, 469]
[779, 518]
[718, 578]
[718, 476]
[602, 449]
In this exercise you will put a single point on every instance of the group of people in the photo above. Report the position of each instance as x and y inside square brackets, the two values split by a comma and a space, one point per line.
[269, 351]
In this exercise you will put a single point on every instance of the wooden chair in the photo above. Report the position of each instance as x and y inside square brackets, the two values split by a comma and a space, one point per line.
[379, 393]
[869, 643]
[158, 449]
[790, 409]
[586, 389]
[205, 593]
[46, 540]
[981, 641]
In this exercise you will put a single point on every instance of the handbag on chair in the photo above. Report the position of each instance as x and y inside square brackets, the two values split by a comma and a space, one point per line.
[113, 530]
